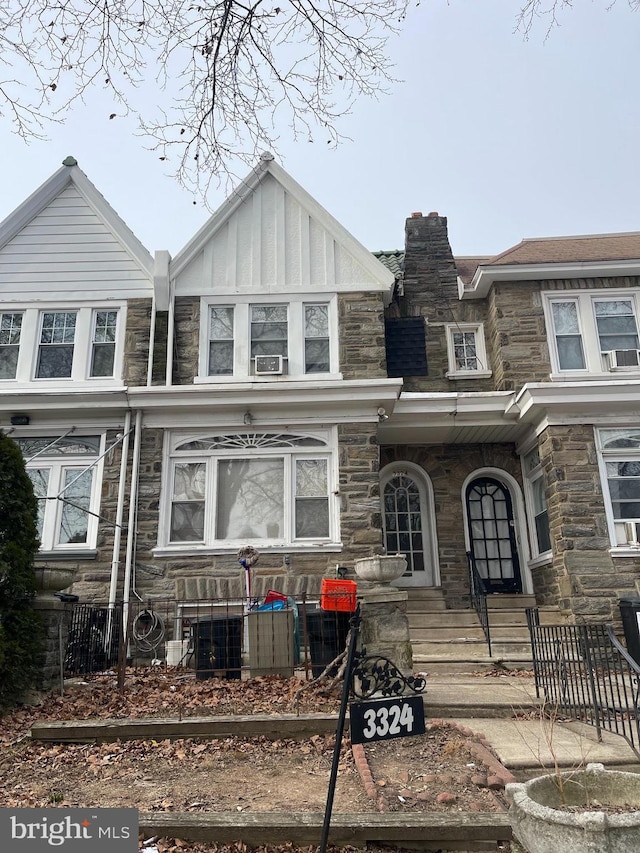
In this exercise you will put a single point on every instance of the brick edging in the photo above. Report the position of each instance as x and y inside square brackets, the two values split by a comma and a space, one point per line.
[478, 744]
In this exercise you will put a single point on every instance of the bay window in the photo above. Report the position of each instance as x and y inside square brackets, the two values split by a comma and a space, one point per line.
[252, 487]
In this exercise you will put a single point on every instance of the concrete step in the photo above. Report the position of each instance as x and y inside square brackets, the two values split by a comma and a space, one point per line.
[503, 632]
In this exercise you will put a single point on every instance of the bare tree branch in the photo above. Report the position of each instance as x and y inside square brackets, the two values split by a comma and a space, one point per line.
[549, 12]
[211, 82]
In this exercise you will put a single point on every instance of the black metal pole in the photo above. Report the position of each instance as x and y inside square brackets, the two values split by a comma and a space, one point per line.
[346, 687]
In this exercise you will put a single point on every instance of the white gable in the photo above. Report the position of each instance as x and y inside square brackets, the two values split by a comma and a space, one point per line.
[71, 244]
[275, 238]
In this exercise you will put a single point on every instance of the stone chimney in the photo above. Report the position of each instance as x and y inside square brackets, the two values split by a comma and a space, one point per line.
[430, 277]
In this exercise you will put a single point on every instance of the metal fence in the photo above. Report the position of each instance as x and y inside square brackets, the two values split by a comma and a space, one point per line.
[584, 672]
[214, 637]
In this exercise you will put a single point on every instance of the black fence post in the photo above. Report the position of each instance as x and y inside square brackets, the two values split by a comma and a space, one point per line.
[346, 688]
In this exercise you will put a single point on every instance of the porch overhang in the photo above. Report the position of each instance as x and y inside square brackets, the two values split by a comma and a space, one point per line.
[453, 418]
[540, 403]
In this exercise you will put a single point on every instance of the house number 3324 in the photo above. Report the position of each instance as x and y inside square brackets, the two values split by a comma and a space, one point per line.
[384, 719]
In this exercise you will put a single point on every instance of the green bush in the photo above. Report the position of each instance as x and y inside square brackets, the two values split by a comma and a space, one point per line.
[21, 633]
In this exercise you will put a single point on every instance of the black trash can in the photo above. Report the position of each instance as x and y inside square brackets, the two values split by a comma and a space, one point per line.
[327, 631]
[218, 647]
[630, 611]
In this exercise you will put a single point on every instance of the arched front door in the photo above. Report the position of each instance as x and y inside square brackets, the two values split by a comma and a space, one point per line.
[408, 524]
[492, 535]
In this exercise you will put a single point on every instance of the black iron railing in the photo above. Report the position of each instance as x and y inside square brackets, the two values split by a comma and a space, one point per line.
[583, 672]
[479, 598]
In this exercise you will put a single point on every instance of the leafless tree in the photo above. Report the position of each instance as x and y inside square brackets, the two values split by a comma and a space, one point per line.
[212, 82]
[549, 12]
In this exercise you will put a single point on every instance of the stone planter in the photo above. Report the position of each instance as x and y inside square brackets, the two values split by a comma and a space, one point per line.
[50, 580]
[541, 826]
[381, 570]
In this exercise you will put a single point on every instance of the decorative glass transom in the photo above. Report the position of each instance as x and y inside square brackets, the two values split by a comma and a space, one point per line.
[251, 440]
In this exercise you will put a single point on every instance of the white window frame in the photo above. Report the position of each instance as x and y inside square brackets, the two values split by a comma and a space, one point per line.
[173, 454]
[32, 318]
[477, 330]
[585, 301]
[531, 474]
[294, 363]
[10, 344]
[58, 464]
[617, 534]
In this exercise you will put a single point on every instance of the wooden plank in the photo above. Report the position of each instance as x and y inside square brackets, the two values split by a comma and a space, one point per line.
[254, 725]
[254, 828]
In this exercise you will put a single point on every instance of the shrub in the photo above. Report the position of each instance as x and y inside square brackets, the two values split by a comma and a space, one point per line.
[21, 633]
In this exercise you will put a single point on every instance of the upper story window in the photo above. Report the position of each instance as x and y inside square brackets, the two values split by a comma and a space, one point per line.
[536, 503]
[53, 344]
[66, 481]
[269, 488]
[263, 339]
[594, 332]
[466, 351]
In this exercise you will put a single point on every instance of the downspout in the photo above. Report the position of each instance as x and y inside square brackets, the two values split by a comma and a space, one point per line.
[131, 533]
[117, 534]
[170, 330]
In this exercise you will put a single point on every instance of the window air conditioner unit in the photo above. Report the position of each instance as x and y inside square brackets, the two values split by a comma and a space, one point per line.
[268, 364]
[631, 533]
[617, 358]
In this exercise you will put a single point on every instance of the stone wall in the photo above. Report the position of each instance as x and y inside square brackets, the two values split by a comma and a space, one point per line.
[448, 466]
[136, 345]
[584, 580]
[361, 336]
[187, 339]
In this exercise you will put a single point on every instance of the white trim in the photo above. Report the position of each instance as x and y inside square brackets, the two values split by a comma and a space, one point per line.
[287, 540]
[51, 188]
[487, 274]
[430, 548]
[477, 329]
[267, 166]
[32, 314]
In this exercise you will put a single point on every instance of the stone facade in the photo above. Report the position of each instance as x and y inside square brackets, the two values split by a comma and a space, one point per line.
[137, 338]
[361, 336]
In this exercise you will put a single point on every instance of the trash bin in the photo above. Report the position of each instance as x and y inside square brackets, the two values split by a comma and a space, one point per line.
[327, 631]
[271, 641]
[218, 647]
[630, 611]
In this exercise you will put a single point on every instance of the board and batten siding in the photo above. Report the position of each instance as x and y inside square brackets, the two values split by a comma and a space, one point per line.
[68, 249]
[271, 244]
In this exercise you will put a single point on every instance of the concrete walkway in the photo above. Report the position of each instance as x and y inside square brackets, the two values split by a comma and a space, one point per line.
[506, 711]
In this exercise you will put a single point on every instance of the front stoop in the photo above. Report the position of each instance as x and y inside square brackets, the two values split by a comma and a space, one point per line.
[453, 641]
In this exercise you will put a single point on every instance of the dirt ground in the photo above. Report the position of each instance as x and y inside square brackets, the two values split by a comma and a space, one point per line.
[437, 771]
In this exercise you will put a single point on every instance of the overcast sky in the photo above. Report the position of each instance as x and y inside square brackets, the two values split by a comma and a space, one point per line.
[507, 138]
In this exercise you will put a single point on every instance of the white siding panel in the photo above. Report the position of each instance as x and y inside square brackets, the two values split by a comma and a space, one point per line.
[271, 244]
[268, 235]
[68, 244]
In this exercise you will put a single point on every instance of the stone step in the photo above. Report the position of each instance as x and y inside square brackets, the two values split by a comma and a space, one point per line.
[440, 634]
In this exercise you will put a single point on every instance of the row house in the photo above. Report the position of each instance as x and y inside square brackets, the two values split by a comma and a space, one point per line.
[275, 384]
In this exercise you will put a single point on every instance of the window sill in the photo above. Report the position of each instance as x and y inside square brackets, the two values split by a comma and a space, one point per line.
[52, 556]
[625, 551]
[595, 376]
[468, 374]
[276, 377]
[194, 550]
[541, 560]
